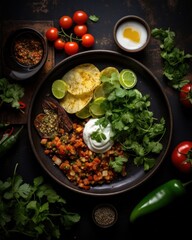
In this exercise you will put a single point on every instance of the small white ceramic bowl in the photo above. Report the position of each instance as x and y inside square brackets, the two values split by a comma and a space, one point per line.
[131, 33]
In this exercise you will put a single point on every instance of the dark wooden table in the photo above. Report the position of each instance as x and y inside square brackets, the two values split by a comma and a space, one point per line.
[173, 14]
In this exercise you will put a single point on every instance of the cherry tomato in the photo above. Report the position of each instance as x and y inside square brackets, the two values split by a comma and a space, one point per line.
[80, 17]
[59, 44]
[80, 30]
[182, 156]
[88, 40]
[65, 22]
[185, 95]
[52, 34]
[71, 48]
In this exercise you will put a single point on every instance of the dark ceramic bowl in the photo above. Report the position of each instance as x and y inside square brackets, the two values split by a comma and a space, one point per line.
[104, 215]
[131, 33]
[24, 54]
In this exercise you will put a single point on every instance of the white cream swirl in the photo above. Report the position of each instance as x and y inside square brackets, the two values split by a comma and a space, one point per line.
[95, 146]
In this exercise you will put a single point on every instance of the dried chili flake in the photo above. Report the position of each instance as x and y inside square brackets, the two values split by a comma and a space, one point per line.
[28, 50]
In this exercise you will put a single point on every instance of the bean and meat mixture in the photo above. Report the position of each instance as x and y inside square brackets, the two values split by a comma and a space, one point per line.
[28, 50]
[81, 166]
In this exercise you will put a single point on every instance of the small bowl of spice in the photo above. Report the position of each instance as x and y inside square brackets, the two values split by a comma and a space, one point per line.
[105, 215]
[131, 33]
[24, 53]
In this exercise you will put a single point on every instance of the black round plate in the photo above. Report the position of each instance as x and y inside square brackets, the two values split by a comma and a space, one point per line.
[147, 84]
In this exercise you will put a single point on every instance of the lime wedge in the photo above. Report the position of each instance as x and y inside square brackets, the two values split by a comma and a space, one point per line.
[59, 88]
[127, 79]
[96, 108]
[84, 113]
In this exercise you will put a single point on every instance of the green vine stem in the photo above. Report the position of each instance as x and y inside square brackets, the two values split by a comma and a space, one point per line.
[70, 37]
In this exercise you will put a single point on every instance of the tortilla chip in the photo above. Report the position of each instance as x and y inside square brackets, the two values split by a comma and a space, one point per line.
[73, 103]
[82, 79]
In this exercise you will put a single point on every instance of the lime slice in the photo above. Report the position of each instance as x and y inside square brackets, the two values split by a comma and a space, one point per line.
[59, 88]
[84, 113]
[99, 92]
[96, 108]
[108, 71]
[127, 79]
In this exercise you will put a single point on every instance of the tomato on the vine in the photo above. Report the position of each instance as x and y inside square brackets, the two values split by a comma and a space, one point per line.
[59, 44]
[65, 22]
[80, 17]
[88, 40]
[182, 156]
[80, 30]
[52, 34]
[185, 95]
[71, 48]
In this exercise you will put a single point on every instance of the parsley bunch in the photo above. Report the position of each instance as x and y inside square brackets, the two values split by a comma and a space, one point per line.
[34, 210]
[10, 93]
[175, 60]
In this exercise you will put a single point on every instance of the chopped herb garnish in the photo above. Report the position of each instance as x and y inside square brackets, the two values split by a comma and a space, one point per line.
[98, 135]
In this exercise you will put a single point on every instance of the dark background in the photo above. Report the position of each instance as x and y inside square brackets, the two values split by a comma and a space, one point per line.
[173, 14]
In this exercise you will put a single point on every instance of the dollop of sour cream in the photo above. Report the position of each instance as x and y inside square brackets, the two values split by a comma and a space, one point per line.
[93, 145]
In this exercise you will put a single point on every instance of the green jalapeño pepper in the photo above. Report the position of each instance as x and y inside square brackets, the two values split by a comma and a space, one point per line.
[158, 198]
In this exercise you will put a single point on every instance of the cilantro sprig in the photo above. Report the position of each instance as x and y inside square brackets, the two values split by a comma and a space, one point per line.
[34, 210]
[133, 123]
[117, 163]
[10, 93]
[98, 135]
[175, 61]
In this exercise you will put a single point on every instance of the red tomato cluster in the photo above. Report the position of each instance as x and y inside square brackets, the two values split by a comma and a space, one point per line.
[69, 42]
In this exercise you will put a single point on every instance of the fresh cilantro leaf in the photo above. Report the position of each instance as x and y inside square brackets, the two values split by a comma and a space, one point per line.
[69, 218]
[149, 163]
[24, 190]
[94, 18]
[98, 135]
[117, 163]
[10, 93]
[19, 213]
[175, 65]
[37, 181]
[4, 185]
[133, 124]
[34, 210]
